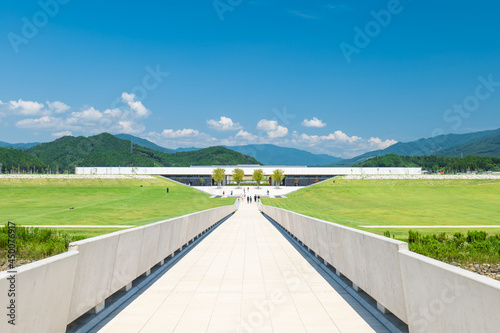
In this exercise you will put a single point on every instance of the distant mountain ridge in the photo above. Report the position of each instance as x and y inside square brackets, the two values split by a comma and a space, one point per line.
[484, 143]
[107, 150]
[21, 146]
[265, 153]
[144, 143]
[275, 155]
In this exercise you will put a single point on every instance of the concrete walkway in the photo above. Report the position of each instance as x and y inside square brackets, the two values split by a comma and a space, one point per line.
[244, 277]
[225, 191]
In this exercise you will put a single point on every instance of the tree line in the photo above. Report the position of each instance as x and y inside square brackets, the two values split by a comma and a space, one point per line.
[434, 163]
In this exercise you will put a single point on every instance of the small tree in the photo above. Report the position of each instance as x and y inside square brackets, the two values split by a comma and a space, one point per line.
[258, 176]
[218, 175]
[238, 175]
[278, 175]
[202, 180]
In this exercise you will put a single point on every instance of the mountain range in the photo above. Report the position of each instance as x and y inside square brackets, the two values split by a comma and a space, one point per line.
[484, 143]
[124, 149]
[275, 155]
[264, 153]
[107, 150]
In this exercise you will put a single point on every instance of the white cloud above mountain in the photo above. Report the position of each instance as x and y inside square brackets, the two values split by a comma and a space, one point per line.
[223, 124]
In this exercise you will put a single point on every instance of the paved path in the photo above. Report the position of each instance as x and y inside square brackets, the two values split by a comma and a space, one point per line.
[244, 277]
[249, 190]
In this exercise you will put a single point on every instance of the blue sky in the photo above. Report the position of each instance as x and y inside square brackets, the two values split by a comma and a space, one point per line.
[335, 77]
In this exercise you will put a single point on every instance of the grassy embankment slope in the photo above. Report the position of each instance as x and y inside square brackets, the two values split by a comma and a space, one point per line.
[410, 203]
[98, 202]
[360, 203]
[95, 202]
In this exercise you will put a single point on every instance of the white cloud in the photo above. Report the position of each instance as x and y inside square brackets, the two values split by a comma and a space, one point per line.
[53, 116]
[278, 133]
[246, 136]
[136, 106]
[182, 138]
[26, 108]
[88, 115]
[223, 124]
[130, 127]
[338, 144]
[58, 107]
[315, 122]
[186, 132]
[267, 125]
[341, 136]
[272, 128]
[377, 142]
[61, 134]
[45, 122]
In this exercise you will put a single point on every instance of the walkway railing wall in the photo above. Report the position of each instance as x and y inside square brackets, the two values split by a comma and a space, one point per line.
[53, 292]
[428, 295]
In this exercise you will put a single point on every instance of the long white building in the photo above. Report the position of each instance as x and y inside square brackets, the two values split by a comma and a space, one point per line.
[294, 175]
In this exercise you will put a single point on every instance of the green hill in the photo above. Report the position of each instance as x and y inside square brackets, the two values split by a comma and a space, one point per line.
[16, 160]
[107, 150]
[488, 146]
[435, 163]
[144, 143]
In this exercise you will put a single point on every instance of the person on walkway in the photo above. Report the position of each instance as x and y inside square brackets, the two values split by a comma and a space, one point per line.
[255, 197]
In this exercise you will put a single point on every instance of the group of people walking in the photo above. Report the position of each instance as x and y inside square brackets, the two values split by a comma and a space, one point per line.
[256, 198]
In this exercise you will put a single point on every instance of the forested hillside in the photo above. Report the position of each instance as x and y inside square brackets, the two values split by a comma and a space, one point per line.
[435, 163]
[14, 160]
[107, 150]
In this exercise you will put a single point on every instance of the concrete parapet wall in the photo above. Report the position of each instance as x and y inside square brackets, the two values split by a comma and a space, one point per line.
[368, 260]
[428, 295]
[112, 261]
[55, 291]
[42, 297]
[444, 298]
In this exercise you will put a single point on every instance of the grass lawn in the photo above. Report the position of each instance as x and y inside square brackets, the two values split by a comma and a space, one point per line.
[358, 203]
[98, 202]
[102, 202]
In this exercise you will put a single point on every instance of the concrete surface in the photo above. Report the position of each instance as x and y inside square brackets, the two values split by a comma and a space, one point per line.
[444, 298]
[428, 295]
[244, 277]
[370, 261]
[42, 295]
[110, 262]
[253, 190]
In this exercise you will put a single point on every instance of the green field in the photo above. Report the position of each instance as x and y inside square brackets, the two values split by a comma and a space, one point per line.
[361, 203]
[98, 202]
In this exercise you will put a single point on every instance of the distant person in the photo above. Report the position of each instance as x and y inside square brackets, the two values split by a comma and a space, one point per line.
[255, 197]
[267, 192]
[258, 197]
[231, 192]
[167, 189]
[248, 200]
